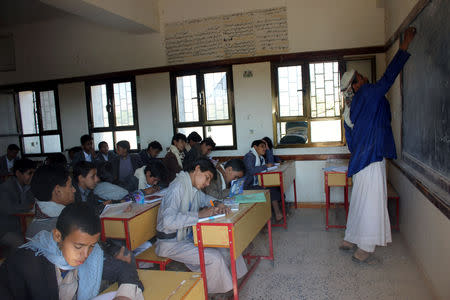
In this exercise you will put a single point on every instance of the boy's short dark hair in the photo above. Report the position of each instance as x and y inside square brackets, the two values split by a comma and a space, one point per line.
[102, 143]
[124, 145]
[85, 138]
[157, 169]
[80, 216]
[13, 147]
[56, 159]
[194, 136]
[257, 143]
[236, 164]
[268, 141]
[75, 149]
[154, 145]
[23, 165]
[105, 172]
[82, 168]
[209, 142]
[205, 165]
[177, 137]
[46, 178]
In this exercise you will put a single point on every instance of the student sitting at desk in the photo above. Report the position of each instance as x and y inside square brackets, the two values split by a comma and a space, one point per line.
[192, 139]
[87, 153]
[255, 163]
[125, 165]
[85, 180]
[220, 187]
[53, 189]
[269, 157]
[198, 150]
[103, 153]
[67, 262]
[149, 177]
[174, 157]
[16, 197]
[151, 153]
[180, 209]
[105, 189]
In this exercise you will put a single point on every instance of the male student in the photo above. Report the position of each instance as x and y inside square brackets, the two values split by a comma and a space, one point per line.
[220, 187]
[180, 209]
[255, 163]
[53, 190]
[175, 156]
[15, 197]
[152, 152]
[192, 139]
[150, 175]
[66, 263]
[7, 160]
[104, 154]
[87, 153]
[198, 150]
[85, 180]
[124, 166]
[370, 140]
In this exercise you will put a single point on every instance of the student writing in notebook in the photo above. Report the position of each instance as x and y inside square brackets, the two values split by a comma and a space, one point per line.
[255, 163]
[180, 209]
[67, 263]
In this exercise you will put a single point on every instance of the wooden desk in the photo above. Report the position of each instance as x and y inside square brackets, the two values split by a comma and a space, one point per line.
[283, 176]
[134, 227]
[332, 178]
[161, 285]
[25, 220]
[235, 231]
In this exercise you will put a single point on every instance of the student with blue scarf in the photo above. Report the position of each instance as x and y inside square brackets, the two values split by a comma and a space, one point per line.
[66, 263]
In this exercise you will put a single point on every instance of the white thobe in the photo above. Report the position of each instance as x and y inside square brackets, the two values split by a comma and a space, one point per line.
[171, 219]
[368, 219]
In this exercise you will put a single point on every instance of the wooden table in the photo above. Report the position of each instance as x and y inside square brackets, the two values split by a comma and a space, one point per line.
[333, 178]
[235, 231]
[161, 285]
[25, 219]
[135, 227]
[283, 176]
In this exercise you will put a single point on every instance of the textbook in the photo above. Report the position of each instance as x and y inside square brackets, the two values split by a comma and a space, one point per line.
[250, 198]
[237, 187]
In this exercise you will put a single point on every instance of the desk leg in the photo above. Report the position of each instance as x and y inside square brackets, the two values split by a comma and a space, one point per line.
[295, 194]
[283, 203]
[327, 204]
[201, 254]
[346, 201]
[233, 263]
[127, 236]
[269, 229]
[102, 235]
[23, 225]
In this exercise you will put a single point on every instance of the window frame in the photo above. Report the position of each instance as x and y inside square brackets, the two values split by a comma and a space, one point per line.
[42, 132]
[342, 61]
[202, 113]
[111, 114]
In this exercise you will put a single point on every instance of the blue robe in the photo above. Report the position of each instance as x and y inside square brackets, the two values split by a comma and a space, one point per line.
[371, 138]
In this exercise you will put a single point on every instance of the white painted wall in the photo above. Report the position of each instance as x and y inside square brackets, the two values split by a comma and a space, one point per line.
[154, 109]
[74, 47]
[425, 229]
[72, 106]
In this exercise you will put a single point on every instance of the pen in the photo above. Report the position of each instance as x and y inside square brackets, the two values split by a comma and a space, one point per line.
[212, 203]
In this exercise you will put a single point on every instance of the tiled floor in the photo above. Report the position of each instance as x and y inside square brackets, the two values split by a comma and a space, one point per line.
[308, 265]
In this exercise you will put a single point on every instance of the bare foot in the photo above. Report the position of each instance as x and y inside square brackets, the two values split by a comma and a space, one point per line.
[122, 257]
[361, 254]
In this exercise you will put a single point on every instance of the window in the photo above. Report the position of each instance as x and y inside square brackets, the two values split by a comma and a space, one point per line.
[203, 102]
[40, 123]
[113, 112]
[308, 104]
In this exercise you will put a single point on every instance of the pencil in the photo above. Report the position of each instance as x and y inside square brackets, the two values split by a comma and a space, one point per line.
[212, 203]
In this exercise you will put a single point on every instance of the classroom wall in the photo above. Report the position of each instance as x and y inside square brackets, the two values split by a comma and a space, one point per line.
[424, 228]
[72, 46]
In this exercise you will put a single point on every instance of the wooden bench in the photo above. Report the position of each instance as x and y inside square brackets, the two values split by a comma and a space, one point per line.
[150, 256]
[393, 196]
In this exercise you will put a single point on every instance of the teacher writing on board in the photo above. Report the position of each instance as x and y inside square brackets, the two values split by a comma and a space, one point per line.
[367, 122]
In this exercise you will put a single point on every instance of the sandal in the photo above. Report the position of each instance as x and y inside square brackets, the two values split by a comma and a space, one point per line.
[370, 260]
